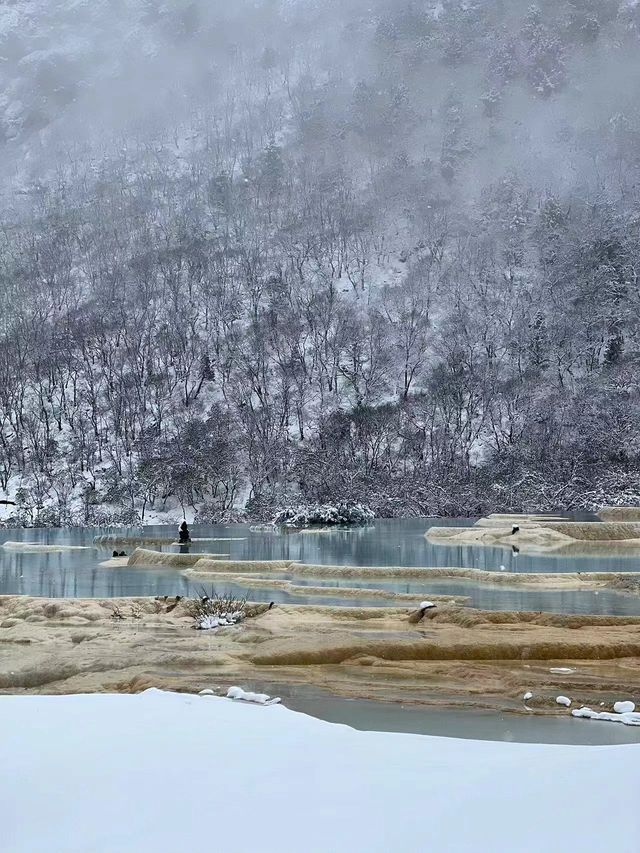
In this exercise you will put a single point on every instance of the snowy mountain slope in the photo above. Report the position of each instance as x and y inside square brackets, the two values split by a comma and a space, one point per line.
[268, 251]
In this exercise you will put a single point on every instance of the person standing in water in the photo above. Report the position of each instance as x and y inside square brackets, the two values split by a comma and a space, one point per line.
[183, 533]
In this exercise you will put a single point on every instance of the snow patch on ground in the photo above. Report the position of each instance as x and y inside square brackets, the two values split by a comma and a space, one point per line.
[627, 719]
[563, 700]
[142, 773]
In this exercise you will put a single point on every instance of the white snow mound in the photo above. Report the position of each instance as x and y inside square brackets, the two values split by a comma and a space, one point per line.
[563, 700]
[627, 719]
[247, 696]
[624, 707]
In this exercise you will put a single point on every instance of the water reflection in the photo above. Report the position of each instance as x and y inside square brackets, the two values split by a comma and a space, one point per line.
[369, 715]
[397, 542]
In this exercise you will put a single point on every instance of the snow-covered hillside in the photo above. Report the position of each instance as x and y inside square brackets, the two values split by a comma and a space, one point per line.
[261, 253]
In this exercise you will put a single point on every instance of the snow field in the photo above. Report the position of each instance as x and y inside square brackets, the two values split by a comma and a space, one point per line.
[153, 772]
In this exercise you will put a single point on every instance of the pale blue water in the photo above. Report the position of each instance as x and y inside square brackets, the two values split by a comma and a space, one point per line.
[370, 715]
[389, 542]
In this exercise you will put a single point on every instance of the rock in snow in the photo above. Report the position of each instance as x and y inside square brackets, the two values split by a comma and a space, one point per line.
[563, 700]
[624, 707]
[246, 696]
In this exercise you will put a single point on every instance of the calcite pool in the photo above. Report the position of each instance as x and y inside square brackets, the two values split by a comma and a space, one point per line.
[387, 542]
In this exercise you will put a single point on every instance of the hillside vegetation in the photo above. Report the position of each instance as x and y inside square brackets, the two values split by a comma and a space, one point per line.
[254, 253]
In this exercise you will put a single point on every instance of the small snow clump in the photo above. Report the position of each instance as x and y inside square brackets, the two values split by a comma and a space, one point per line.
[247, 696]
[209, 622]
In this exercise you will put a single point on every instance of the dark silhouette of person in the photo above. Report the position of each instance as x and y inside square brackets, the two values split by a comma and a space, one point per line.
[183, 533]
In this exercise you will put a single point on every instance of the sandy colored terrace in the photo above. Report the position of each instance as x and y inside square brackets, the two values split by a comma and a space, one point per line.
[569, 538]
[618, 534]
[281, 574]
[458, 656]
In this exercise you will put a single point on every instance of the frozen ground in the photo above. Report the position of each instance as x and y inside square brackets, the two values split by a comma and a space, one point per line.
[165, 772]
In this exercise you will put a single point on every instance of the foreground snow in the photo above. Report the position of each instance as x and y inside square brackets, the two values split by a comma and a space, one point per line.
[166, 772]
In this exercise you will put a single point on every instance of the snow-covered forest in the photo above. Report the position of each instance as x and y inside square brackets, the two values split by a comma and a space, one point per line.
[276, 250]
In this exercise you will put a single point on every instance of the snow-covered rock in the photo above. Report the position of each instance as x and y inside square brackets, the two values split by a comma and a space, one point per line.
[247, 696]
[426, 605]
[624, 707]
[563, 700]
[206, 692]
[627, 718]
[584, 712]
[528, 695]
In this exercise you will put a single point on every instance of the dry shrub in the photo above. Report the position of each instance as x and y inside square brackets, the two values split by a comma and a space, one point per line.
[212, 603]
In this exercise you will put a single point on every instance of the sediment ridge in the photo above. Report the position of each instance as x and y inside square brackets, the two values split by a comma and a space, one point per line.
[206, 567]
[455, 655]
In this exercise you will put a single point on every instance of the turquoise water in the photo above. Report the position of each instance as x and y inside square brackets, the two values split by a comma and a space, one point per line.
[388, 542]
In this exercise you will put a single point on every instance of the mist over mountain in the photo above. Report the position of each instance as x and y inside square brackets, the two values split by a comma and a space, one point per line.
[257, 252]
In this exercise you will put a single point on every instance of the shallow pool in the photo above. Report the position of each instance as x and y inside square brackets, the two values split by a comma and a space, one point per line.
[369, 715]
[393, 542]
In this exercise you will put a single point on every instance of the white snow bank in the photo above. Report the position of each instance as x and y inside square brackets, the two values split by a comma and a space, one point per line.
[624, 707]
[563, 700]
[247, 696]
[37, 547]
[626, 718]
[152, 772]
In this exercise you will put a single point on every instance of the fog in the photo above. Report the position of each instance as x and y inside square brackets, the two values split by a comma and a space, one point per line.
[535, 92]
[393, 239]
